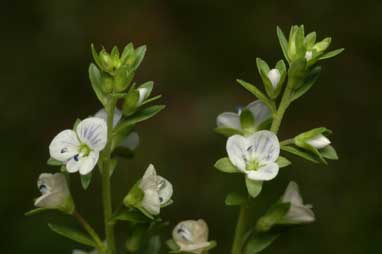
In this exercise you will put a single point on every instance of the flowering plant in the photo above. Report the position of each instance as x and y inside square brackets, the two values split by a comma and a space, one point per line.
[253, 150]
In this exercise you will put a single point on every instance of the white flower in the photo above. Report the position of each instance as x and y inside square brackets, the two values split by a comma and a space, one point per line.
[319, 141]
[274, 76]
[55, 193]
[255, 155]
[132, 140]
[308, 55]
[298, 212]
[157, 191]
[232, 120]
[79, 150]
[191, 236]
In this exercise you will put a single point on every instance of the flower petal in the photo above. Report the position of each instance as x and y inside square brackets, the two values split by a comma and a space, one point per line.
[264, 146]
[88, 163]
[236, 150]
[143, 92]
[55, 190]
[319, 141]
[191, 235]
[274, 76]
[93, 132]
[149, 179]
[131, 141]
[228, 120]
[64, 145]
[74, 164]
[292, 194]
[259, 111]
[264, 173]
[298, 215]
[151, 202]
[165, 190]
[103, 115]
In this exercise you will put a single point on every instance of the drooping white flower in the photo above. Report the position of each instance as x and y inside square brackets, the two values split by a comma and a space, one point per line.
[157, 191]
[274, 76]
[79, 150]
[132, 140]
[191, 236]
[231, 120]
[319, 141]
[298, 212]
[255, 155]
[308, 55]
[55, 193]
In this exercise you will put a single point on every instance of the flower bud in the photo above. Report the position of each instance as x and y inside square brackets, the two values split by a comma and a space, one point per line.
[274, 76]
[55, 193]
[308, 55]
[319, 141]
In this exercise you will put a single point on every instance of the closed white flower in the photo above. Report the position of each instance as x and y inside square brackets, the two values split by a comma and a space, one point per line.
[231, 120]
[132, 140]
[298, 212]
[308, 55]
[55, 193]
[79, 150]
[274, 76]
[144, 92]
[157, 191]
[191, 236]
[255, 155]
[319, 141]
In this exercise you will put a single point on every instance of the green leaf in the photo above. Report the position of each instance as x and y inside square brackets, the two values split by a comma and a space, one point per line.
[96, 82]
[255, 91]
[300, 153]
[130, 103]
[134, 197]
[212, 245]
[310, 40]
[36, 211]
[259, 242]
[331, 54]
[309, 81]
[153, 245]
[53, 162]
[283, 43]
[329, 152]
[247, 120]
[275, 213]
[253, 187]
[152, 99]
[95, 55]
[263, 69]
[227, 132]
[140, 53]
[235, 199]
[145, 114]
[86, 180]
[76, 123]
[131, 215]
[225, 165]
[146, 213]
[72, 234]
[171, 244]
[283, 162]
[296, 73]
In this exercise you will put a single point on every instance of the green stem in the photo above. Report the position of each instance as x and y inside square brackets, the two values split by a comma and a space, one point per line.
[242, 222]
[287, 142]
[106, 186]
[91, 231]
[278, 117]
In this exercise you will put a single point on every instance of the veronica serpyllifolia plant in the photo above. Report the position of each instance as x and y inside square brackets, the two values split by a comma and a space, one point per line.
[253, 147]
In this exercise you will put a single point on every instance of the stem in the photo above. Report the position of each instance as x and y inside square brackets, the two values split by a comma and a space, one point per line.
[240, 229]
[106, 188]
[278, 117]
[90, 230]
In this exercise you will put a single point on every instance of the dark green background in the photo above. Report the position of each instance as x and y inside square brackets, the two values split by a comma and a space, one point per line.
[196, 50]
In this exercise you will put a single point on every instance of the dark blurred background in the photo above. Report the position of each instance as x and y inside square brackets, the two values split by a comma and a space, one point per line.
[196, 50]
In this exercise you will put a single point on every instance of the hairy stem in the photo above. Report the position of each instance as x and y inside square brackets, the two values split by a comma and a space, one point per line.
[106, 185]
[90, 230]
[242, 222]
